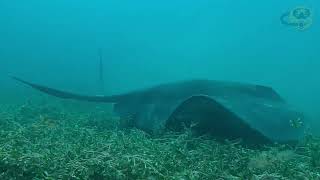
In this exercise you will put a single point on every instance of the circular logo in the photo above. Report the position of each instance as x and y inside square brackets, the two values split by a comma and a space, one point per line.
[301, 13]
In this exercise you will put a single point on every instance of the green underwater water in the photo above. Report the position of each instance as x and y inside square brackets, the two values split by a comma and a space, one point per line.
[145, 43]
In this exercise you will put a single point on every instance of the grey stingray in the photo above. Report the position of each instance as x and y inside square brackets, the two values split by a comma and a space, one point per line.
[228, 110]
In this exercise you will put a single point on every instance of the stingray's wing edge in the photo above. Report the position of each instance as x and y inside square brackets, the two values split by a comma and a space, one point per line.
[218, 120]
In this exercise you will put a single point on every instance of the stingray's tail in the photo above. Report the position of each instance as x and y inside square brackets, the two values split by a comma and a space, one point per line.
[65, 94]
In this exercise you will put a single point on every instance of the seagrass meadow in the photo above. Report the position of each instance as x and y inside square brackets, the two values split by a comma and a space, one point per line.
[70, 140]
[159, 90]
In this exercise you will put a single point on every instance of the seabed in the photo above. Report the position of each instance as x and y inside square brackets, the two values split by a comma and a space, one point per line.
[71, 140]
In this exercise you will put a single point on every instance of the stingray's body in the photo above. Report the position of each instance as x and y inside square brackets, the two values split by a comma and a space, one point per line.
[230, 110]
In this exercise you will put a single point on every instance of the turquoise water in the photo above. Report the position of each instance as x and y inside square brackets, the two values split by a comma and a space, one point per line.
[145, 43]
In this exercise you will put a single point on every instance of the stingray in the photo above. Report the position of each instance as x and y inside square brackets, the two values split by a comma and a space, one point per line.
[224, 110]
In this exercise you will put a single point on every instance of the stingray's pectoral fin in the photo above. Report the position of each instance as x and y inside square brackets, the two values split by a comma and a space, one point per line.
[65, 94]
[203, 115]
